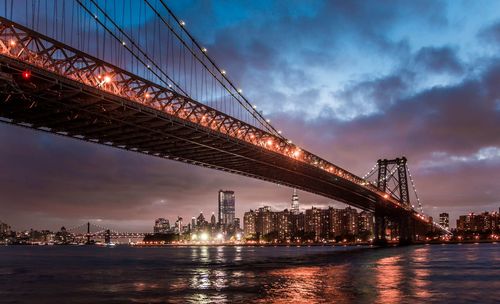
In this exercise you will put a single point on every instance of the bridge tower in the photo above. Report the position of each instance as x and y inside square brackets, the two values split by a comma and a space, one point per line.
[392, 178]
[88, 233]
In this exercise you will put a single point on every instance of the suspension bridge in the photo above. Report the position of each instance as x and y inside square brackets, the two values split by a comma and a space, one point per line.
[90, 232]
[128, 74]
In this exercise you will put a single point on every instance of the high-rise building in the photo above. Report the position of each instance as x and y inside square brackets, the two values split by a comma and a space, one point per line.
[200, 221]
[444, 220]
[226, 208]
[161, 225]
[193, 222]
[264, 223]
[295, 202]
[249, 222]
[4, 229]
[213, 221]
[237, 223]
[313, 222]
[349, 221]
[282, 224]
[365, 221]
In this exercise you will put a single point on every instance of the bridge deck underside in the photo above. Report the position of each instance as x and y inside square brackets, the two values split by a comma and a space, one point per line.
[59, 105]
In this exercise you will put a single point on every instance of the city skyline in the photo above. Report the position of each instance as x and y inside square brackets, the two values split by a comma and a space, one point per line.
[443, 217]
[431, 95]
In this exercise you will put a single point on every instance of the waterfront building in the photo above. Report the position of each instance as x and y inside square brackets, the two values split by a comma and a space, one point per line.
[295, 203]
[4, 229]
[193, 223]
[249, 221]
[334, 222]
[282, 224]
[349, 221]
[264, 223]
[226, 208]
[315, 224]
[213, 221]
[201, 223]
[444, 220]
[162, 225]
[483, 222]
[365, 222]
[298, 224]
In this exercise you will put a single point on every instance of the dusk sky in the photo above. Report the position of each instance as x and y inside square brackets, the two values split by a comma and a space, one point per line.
[351, 81]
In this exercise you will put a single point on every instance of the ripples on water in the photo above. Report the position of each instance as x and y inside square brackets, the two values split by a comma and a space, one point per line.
[415, 274]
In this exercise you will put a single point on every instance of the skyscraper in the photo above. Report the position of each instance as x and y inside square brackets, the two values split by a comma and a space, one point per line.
[226, 208]
[444, 220]
[295, 202]
[161, 226]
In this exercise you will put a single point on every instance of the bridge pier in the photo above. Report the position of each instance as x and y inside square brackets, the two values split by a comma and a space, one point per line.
[406, 230]
[379, 230]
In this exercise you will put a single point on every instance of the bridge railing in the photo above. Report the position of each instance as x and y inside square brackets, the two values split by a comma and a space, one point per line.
[28, 46]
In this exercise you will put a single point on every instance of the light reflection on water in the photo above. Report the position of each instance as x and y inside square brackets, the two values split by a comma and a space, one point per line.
[416, 274]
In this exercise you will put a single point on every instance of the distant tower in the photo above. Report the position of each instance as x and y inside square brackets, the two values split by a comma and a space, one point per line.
[226, 208]
[444, 220]
[295, 202]
[213, 221]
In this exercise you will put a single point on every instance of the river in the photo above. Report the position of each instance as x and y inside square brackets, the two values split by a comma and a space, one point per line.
[86, 274]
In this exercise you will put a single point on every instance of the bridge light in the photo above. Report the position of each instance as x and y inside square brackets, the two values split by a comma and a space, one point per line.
[123, 43]
[147, 95]
[204, 50]
[12, 42]
[270, 142]
[386, 195]
[296, 153]
[268, 120]
[107, 79]
[27, 74]
[182, 23]
[279, 131]
[223, 72]
[254, 106]
[240, 90]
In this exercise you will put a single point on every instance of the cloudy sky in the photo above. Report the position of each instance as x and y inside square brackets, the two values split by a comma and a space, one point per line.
[352, 81]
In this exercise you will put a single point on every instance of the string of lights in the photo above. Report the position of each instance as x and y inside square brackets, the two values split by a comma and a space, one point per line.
[236, 92]
[415, 190]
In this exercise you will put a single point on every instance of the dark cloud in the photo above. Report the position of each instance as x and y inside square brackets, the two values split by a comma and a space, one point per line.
[439, 60]
[490, 34]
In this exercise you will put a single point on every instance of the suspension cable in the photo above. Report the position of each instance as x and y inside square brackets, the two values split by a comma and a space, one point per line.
[415, 190]
[130, 50]
[246, 103]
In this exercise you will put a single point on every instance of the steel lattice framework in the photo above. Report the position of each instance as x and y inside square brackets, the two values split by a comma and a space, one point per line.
[74, 94]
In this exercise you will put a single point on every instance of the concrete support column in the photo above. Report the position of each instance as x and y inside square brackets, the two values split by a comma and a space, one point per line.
[380, 227]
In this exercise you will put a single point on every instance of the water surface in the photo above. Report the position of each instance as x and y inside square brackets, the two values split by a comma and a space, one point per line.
[86, 274]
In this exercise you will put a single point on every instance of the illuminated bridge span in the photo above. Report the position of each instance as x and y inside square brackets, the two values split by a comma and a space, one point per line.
[174, 103]
[90, 232]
